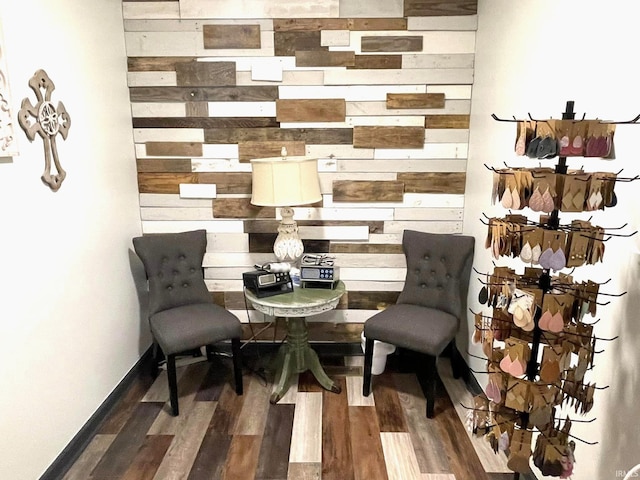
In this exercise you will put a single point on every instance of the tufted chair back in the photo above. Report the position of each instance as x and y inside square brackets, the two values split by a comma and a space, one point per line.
[173, 262]
[438, 270]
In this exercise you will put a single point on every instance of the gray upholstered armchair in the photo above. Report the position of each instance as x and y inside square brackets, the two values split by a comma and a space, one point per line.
[428, 312]
[182, 315]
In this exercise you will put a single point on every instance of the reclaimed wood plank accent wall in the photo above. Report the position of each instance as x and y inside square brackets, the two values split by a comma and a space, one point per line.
[378, 91]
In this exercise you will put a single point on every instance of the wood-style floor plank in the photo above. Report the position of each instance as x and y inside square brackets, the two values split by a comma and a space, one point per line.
[425, 437]
[145, 464]
[273, 461]
[227, 412]
[217, 376]
[337, 458]
[390, 414]
[366, 447]
[242, 459]
[90, 457]
[306, 436]
[354, 393]
[211, 457]
[255, 406]
[182, 452]
[399, 456]
[124, 447]
[305, 471]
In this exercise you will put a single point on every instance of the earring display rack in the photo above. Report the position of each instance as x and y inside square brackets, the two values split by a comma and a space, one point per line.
[538, 341]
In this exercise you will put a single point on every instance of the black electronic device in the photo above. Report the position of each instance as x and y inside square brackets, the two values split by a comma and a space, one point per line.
[319, 276]
[264, 284]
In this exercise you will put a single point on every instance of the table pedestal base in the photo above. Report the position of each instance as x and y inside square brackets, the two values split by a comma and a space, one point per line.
[297, 356]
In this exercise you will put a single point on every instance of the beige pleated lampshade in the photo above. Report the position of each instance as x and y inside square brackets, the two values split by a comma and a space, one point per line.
[285, 181]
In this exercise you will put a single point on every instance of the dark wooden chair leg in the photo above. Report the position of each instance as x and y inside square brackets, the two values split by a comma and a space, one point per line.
[209, 350]
[237, 364]
[456, 360]
[157, 358]
[173, 384]
[368, 360]
[430, 384]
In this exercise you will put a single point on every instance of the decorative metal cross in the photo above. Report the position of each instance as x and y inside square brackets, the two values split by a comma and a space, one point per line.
[47, 121]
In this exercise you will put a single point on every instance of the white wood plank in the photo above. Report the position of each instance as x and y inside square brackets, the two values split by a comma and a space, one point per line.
[338, 151]
[242, 109]
[354, 393]
[149, 109]
[151, 79]
[171, 200]
[399, 456]
[431, 150]
[331, 38]
[214, 226]
[245, 64]
[399, 77]
[192, 190]
[185, 25]
[369, 260]
[344, 316]
[327, 165]
[142, 135]
[461, 22]
[314, 125]
[454, 60]
[404, 165]
[431, 227]
[173, 213]
[217, 259]
[334, 233]
[224, 285]
[306, 435]
[221, 150]
[147, 10]
[268, 72]
[451, 107]
[373, 286]
[227, 273]
[227, 242]
[386, 120]
[446, 42]
[219, 165]
[311, 77]
[255, 407]
[446, 135]
[452, 92]
[257, 9]
[379, 274]
[422, 200]
[445, 214]
[351, 93]
[302, 213]
[371, 8]
[385, 238]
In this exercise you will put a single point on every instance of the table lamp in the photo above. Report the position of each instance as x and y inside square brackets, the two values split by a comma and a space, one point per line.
[285, 182]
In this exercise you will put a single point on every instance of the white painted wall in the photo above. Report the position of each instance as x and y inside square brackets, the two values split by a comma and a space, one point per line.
[533, 57]
[69, 314]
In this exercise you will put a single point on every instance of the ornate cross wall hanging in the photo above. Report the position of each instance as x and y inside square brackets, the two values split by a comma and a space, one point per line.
[47, 121]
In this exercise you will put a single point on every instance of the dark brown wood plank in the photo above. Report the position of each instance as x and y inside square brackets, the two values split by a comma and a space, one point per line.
[164, 182]
[197, 109]
[415, 100]
[286, 44]
[273, 459]
[337, 456]
[390, 414]
[228, 182]
[323, 58]
[388, 137]
[258, 93]
[308, 383]
[212, 385]
[261, 242]
[433, 182]
[163, 164]
[240, 208]
[310, 136]
[371, 300]
[155, 64]
[227, 411]
[309, 24]
[206, 74]
[122, 451]
[148, 458]
[368, 456]
[231, 36]
[391, 44]
[438, 8]
[267, 226]
[269, 148]
[377, 24]
[204, 122]
[365, 248]
[446, 121]
[242, 459]
[311, 110]
[367, 191]
[378, 61]
[178, 149]
[211, 457]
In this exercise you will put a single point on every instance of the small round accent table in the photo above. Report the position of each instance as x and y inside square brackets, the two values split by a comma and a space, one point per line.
[296, 355]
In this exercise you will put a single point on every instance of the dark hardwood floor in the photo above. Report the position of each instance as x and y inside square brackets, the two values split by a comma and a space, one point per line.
[309, 434]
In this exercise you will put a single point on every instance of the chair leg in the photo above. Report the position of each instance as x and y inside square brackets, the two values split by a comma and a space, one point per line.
[237, 364]
[173, 384]
[156, 358]
[456, 360]
[368, 360]
[430, 383]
